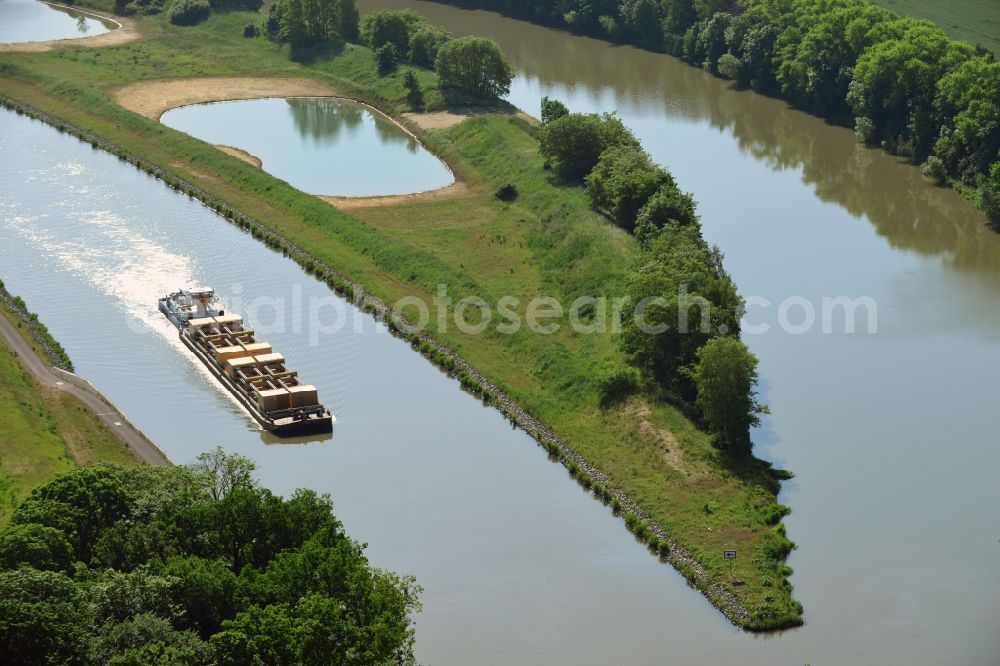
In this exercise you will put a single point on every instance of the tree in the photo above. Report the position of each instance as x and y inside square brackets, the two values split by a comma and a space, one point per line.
[679, 298]
[668, 206]
[220, 473]
[967, 105]
[990, 197]
[79, 503]
[552, 109]
[475, 66]
[43, 548]
[43, 618]
[386, 58]
[574, 143]
[204, 589]
[644, 20]
[894, 83]
[622, 181]
[425, 42]
[259, 577]
[725, 377]
[414, 94]
[390, 26]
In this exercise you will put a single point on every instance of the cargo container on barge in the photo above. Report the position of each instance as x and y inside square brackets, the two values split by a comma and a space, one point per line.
[249, 369]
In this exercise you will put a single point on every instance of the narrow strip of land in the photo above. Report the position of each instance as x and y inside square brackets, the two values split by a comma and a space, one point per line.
[40, 369]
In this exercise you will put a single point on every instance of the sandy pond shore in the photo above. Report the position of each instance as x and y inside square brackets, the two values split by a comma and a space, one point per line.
[153, 98]
[124, 33]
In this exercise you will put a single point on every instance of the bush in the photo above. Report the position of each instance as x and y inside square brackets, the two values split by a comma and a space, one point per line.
[425, 42]
[667, 206]
[622, 181]
[414, 95]
[387, 57]
[552, 109]
[935, 169]
[617, 384]
[990, 194]
[475, 66]
[390, 26]
[506, 193]
[250, 30]
[573, 144]
[189, 12]
[730, 67]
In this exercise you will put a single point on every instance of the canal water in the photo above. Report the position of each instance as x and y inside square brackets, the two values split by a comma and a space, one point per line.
[34, 21]
[319, 145]
[891, 435]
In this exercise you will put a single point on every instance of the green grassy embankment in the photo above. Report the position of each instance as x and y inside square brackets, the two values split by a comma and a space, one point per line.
[547, 242]
[975, 21]
[43, 431]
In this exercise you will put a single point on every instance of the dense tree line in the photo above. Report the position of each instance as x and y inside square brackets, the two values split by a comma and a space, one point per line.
[901, 82]
[306, 23]
[192, 565]
[681, 329]
[472, 66]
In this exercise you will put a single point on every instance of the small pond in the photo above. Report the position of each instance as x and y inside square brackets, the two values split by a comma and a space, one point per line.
[319, 145]
[33, 21]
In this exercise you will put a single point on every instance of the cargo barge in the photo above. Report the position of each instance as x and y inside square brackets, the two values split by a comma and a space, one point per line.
[249, 369]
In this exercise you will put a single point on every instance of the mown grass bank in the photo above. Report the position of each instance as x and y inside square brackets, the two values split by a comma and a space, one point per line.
[642, 457]
[43, 431]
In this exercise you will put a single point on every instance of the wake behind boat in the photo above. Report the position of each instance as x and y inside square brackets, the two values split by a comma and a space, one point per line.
[250, 370]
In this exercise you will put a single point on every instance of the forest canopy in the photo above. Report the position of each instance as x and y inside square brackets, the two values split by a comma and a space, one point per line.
[192, 565]
[902, 83]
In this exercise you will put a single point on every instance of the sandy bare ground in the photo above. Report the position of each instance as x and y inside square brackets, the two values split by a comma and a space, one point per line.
[436, 120]
[456, 189]
[240, 155]
[125, 32]
[153, 98]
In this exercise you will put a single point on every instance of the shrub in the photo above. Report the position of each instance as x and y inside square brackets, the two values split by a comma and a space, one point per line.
[622, 181]
[506, 193]
[573, 144]
[475, 66]
[387, 57]
[667, 206]
[414, 95]
[552, 109]
[425, 42]
[390, 26]
[935, 169]
[617, 384]
[730, 66]
[189, 12]
[250, 30]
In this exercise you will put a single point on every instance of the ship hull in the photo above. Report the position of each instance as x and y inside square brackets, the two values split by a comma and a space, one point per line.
[313, 424]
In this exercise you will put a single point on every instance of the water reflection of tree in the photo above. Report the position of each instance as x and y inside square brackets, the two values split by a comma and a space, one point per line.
[81, 24]
[325, 120]
[904, 208]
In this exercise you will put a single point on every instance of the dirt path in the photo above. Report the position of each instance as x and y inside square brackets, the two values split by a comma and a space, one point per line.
[124, 33]
[133, 439]
[153, 98]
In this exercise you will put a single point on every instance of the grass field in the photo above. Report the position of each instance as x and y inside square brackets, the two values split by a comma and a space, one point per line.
[44, 432]
[975, 21]
[548, 241]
